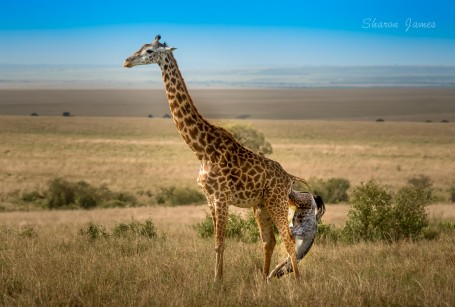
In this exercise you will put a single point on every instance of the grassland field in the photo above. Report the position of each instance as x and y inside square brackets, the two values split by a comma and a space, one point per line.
[55, 265]
[140, 154]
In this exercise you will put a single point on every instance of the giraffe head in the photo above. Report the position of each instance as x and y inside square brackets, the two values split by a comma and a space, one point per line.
[148, 54]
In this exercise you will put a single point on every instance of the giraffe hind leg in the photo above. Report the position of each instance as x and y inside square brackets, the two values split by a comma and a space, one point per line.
[278, 209]
[265, 226]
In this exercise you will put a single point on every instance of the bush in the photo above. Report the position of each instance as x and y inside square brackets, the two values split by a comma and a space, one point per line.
[60, 194]
[94, 231]
[332, 190]
[205, 229]
[65, 194]
[409, 213]
[251, 138]
[327, 234]
[134, 228]
[378, 215]
[31, 196]
[174, 196]
[86, 196]
[244, 230]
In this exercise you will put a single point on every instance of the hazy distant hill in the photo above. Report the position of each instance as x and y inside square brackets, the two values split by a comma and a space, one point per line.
[46, 76]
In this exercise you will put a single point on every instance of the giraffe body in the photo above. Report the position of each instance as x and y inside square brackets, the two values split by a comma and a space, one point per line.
[230, 174]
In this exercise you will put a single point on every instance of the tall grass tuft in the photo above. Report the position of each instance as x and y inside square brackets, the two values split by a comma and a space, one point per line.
[121, 230]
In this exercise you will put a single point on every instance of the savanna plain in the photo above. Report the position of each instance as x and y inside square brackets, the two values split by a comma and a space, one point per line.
[45, 258]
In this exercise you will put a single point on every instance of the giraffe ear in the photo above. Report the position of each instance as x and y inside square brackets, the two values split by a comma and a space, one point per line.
[170, 48]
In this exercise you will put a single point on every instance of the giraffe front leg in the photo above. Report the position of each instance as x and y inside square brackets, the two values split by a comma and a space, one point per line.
[265, 225]
[221, 216]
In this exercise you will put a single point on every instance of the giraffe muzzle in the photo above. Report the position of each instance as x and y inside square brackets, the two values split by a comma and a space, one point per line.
[127, 63]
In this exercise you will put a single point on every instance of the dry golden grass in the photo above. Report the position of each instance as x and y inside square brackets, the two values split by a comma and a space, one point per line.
[61, 267]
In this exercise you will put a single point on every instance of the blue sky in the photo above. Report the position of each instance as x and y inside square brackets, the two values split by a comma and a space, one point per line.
[233, 34]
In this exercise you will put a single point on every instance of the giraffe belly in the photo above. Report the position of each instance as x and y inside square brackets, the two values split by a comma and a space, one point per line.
[246, 199]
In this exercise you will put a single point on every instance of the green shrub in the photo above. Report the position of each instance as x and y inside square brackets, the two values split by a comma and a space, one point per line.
[409, 214]
[174, 196]
[135, 228]
[32, 196]
[61, 193]
[250, 137]
[147, 229]
[332, 190]
[376, 214]
[94, 231]
[370, 215]
[244, 230]
[327, 233]
[86, 195]
[65, 194]
[205, 229]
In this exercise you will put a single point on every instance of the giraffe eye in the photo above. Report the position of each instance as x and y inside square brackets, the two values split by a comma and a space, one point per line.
[149, 51]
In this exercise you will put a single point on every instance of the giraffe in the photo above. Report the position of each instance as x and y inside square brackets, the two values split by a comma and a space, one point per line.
[230, 174]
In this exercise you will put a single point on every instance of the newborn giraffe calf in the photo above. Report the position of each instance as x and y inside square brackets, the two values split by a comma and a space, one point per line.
[303, 225]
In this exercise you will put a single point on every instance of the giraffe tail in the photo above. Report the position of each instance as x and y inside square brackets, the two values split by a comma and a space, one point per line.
[320, 205]
[304, 181]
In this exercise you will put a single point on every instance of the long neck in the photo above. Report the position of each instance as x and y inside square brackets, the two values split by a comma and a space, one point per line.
[189, 122]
